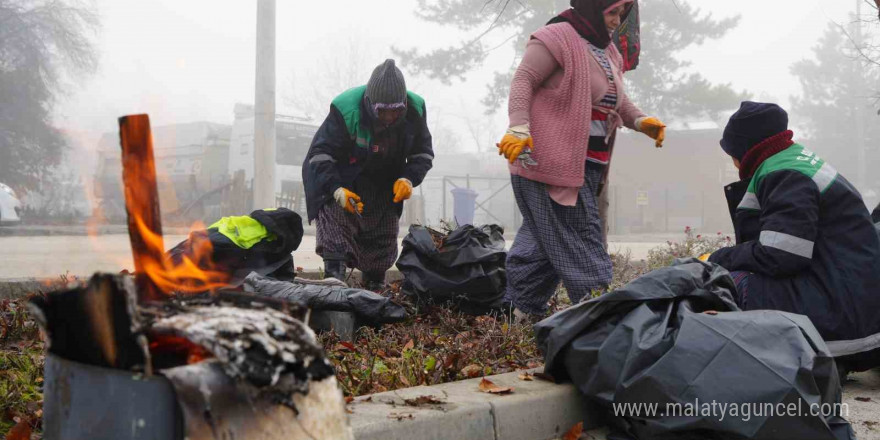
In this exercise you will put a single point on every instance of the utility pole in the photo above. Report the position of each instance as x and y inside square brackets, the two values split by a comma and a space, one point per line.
[860, 106]
[264, 107]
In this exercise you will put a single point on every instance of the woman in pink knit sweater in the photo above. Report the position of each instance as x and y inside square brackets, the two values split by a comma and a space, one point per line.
[566, 103]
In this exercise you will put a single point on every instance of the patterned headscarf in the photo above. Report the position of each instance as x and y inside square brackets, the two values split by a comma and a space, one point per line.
[587, 17]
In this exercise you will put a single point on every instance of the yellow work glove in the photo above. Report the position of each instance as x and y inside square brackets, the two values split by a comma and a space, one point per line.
[653, 128]
[514, 141]
[402, 190]
[348, 200]
[704, 257]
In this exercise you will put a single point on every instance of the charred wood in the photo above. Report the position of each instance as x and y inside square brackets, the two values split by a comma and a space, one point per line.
[96, 324]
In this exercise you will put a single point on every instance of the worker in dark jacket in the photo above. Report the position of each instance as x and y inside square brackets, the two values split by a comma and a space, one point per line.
[369, 153]
[805, 240]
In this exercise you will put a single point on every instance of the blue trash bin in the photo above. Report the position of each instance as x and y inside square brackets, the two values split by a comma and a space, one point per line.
[463, 206]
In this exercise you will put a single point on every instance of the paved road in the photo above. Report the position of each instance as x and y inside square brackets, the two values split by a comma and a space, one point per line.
[50, 256]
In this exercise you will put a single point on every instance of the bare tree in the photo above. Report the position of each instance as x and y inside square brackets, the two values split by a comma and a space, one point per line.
[341, 68]
[43, 43]
[661, 84]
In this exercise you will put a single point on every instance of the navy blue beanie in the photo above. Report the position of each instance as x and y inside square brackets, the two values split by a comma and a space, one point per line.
[751, 124]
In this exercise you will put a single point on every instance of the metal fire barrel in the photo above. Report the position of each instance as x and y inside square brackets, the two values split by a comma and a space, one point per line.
[91, 403]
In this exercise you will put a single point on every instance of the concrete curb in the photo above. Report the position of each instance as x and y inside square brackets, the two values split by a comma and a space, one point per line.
[536, 410]
[22, 287]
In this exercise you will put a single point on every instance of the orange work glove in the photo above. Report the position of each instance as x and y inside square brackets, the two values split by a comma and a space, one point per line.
[704, 257]
[344, 198]
[402, 190]
[514, 141]
[653, 128]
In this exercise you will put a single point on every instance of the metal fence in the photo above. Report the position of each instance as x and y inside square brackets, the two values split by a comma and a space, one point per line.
[433, 201]
[635, 208]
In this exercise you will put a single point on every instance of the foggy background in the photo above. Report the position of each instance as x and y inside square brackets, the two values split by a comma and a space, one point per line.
[190, 66]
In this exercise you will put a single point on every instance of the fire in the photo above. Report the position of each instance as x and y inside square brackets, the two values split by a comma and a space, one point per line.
[156, 273]
[175, 345]
[186, 276]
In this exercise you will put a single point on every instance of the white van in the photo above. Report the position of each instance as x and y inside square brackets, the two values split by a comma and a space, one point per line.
[293, 136]
[9, 206]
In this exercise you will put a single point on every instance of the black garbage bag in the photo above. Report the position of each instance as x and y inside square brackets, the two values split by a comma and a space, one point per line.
[267, 257]
[369, 307]
[467, 269]
[876, 214]
[649, 345]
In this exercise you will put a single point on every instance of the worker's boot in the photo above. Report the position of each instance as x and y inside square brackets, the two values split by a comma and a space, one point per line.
[374, 281]
[334, 269]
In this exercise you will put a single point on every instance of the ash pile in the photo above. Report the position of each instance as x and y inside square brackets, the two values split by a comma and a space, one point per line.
[171, 352]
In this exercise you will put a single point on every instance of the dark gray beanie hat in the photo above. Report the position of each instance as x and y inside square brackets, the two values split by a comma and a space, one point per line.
[386, 85]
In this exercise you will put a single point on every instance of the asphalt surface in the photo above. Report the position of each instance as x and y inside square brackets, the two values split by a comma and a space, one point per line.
[41, 256]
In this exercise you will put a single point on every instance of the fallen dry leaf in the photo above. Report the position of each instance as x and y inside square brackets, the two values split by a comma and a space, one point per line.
[423, 400]
[487, 386]
[575, 432]
[345, 346]
[863, 399]
[472, 371]
[871, 425]
[545, 376]
[451, 360]
[528, 377]
[349, 399]
[21, 431]
[409, 345]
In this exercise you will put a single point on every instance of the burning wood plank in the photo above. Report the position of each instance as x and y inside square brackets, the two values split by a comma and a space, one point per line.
[156, 276]
[141, 201]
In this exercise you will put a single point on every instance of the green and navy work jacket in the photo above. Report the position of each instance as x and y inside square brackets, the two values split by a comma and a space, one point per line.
[344, 143]
[807, 237]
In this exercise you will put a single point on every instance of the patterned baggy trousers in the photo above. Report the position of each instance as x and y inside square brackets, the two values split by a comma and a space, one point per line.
[367, 243]
[556, 243]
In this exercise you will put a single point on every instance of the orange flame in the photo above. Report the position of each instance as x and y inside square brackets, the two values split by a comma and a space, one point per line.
[191, 275]
[155, 270]
[171, 345]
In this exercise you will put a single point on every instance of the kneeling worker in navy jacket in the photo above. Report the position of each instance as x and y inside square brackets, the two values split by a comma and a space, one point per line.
[805, 241]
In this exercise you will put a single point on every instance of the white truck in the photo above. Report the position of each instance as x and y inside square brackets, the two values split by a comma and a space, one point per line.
[10, 206]
[293, 136]
[196, 162]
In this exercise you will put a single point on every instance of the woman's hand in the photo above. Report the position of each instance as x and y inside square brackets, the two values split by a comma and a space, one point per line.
[403, 189]
[653, 128]
[514, 141]
[348, 200]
